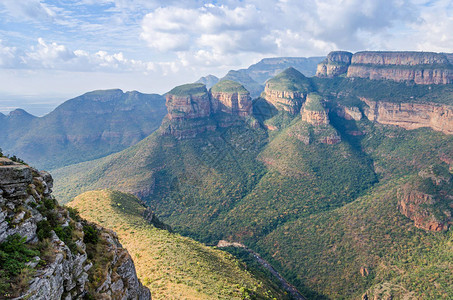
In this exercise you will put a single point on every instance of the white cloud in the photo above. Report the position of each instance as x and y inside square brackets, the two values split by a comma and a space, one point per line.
[29, 9]
[54, 56]
[7, 55]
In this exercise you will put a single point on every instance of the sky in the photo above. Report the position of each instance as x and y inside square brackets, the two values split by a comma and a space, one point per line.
[53, 50]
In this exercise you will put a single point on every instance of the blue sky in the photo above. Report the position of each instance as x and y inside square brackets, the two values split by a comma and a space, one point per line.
[51, 51]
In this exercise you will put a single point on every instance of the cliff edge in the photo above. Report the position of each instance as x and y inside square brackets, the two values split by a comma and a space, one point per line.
[49, 252]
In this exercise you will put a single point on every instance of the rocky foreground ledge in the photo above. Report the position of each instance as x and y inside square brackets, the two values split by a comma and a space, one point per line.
[49, 252]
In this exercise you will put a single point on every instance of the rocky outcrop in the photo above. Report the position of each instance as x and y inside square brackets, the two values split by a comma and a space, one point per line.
[287, 90]
[336, 63]
[289, 101]
[419, 75]
[420, 67]
[315, 125]
[63, 269]
[231, 97]
[411, 115]
[427, 199]
[348, 112]
[189, 101]
[189, 108]
[413, 204]
[192, 110]
[398, 58]
[313, 111]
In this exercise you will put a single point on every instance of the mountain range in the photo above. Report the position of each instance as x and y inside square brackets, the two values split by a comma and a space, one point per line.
[342, 181]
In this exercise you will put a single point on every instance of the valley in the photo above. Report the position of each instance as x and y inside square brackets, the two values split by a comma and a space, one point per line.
[341, 181]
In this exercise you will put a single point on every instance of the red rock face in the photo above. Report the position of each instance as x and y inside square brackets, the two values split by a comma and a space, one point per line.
[411, 115]
[188, 107]
[419, 76]
[413, 204]
[335, 64]
[398, 58]
[315, 117]
[233, 103]
[284, 100]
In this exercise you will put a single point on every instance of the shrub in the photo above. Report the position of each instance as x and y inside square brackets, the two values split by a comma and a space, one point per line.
[91, 234]
[73, 213]
[14, 253]
[43, 230]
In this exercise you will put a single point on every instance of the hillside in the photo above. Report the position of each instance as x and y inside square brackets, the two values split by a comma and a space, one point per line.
[90, 126]
[319, 191]
[244, 78]
[269, 67]
[172, 266]
[49, 252]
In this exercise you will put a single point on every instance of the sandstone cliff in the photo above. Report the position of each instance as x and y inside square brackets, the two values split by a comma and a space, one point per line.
[62, 256]
[189, 109]
[336, 63]
[315, 125]
[193, 110]
[420, 67]
[411, 115]
[287, 90]
[188, 101]
[428, 200]
[231, 97]
[313, 112]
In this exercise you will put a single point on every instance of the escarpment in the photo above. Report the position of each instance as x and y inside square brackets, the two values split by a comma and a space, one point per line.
[49, 252]
[336, 63]
[419, 67]
[287, 90]
[411, 115]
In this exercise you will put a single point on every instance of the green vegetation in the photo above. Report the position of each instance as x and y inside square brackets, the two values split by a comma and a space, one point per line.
[84, 128]
[290, 80]
[170, 265]
[228, 86]
[194, 89]
[14, 273]
[313, 102]
[420, 67]
[324, 215]
[243, 78]
[384, 90]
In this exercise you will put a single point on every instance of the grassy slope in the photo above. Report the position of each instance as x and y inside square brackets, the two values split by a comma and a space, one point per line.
[290, 80]
[228, 86]
[370, 232]
[171, 266]
[286, 199]
[189, 89]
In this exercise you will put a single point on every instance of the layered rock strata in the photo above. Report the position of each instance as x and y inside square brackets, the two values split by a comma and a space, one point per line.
[419, 67]
[193, 110]
[287, 90]
[313, 111]
[189, 108]
[316, 117]
[284, 100]
[417, 205]
[336, 63]
[411, 115]
[235, 100]
[61, 271]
